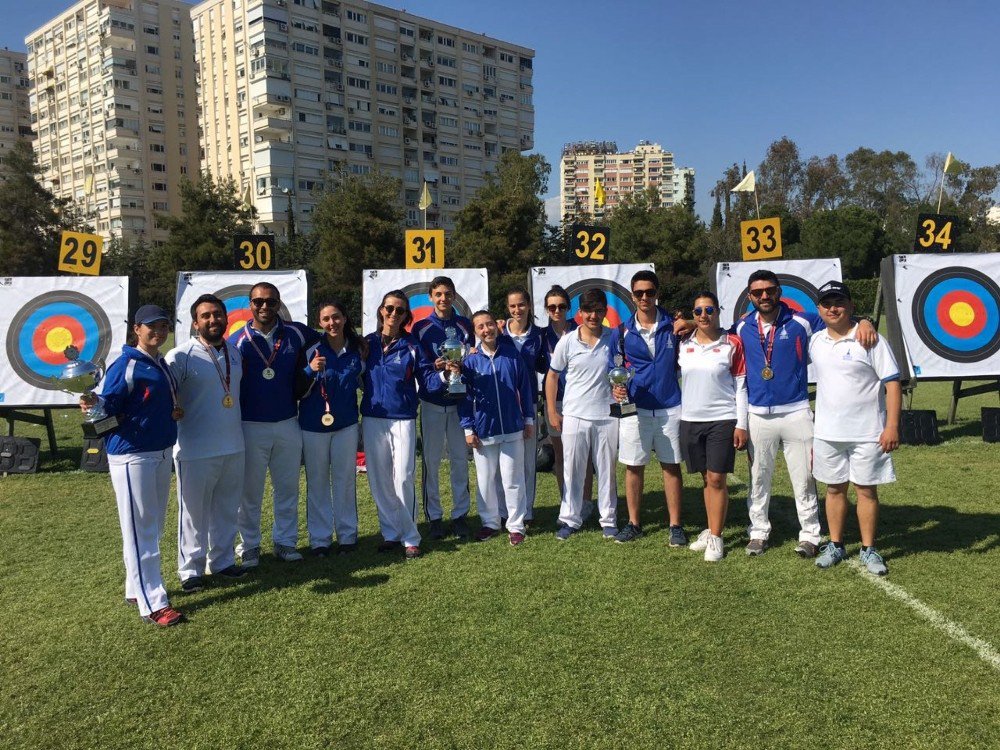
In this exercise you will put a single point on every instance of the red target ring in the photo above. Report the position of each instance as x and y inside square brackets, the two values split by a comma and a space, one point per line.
[962, 314]
[49, 343]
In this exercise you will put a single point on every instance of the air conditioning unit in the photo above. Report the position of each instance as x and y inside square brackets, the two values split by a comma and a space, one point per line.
[350, 110]
[340, 87]
[407, 141]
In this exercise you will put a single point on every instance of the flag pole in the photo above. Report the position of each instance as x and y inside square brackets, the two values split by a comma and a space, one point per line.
[755, 203]
[941, 190]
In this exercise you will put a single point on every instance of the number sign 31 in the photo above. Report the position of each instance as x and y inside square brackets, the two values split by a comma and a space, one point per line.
[424, 248]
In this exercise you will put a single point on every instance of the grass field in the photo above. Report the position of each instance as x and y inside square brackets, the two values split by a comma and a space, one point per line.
[579, 644]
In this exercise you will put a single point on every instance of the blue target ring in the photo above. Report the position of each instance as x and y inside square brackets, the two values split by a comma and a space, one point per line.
[236, 298]
[422, 306]
[797, 293]
[956, 313]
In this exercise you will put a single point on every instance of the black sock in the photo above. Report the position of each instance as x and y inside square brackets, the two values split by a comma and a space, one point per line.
[840, 546]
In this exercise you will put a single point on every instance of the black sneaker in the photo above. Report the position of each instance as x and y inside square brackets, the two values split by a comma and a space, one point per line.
[437, 529]
[387, 546]
[191, 585]
[233, 571]
[460, 528]
[346, 549]
[630, 533]
[322, 551]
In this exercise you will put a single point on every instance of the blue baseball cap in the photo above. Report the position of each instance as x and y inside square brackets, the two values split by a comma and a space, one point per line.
[150, 314]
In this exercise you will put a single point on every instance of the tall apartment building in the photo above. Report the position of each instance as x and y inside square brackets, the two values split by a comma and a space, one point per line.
[620, 173]
[683, 184]
[293, 89]
[15, 117]
[115, 107]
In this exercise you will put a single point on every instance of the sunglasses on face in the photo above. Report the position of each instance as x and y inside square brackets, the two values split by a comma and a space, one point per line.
[771, 291]
[557, 308]
[707, 310]
[640, 293]
[265, 302]
[395, 309]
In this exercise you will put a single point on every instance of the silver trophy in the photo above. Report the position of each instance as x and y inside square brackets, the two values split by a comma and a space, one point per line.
[621, 375]
[453, 350]
[81, 377]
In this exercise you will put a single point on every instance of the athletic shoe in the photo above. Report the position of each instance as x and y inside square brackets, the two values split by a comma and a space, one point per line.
[460, 528]
[677, 537]
[872, 560]
[164, 618]
[701, 543]
[714, 549]
[388, 546]
[486, 533]
[516, 538]
[503, 522]
[233, 571]
[609, 532]
[756, 547]
[412, 553]
[250, 557]
[806, 550]
[565, 533]
[132, 602]
[287, 554]
[830, 556]
[193, 584]
[629, 533]
[437, 529]
[346, 549]
[323, 551]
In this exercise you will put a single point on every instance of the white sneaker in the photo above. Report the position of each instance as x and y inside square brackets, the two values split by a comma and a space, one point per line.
[288, 554]
[715, 550]
[701, 543]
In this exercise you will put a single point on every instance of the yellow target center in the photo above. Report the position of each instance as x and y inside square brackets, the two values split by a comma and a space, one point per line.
[58, 339]
[962, 314]
[239, 325]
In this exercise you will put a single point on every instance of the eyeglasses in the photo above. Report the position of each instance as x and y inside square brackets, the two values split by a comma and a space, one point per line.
[265, 302]
[707, 310]
[395, 309]
[557, 308]
[640, 293]
[771, 291]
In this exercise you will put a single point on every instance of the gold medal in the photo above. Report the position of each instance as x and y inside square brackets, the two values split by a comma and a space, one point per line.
[326, 419]
[767, 373]
[268, 373]
[177, 414]
[227, 401]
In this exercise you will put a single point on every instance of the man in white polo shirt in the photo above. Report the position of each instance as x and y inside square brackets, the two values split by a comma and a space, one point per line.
[858, 403]
[588, 430]
[208, 456]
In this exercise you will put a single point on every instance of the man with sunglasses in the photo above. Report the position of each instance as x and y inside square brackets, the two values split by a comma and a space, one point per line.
[647, 345]
[776, 346]
[273, 352]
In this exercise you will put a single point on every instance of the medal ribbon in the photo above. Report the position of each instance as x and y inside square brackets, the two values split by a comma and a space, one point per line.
[224, 379]
[160, 363]
[768, 346]
[322, 390]
[274, 352]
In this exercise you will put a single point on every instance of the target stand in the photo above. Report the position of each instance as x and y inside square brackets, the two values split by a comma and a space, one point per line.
[45, 418]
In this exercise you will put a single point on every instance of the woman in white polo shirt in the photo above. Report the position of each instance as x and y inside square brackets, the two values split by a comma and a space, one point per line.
[713, 413]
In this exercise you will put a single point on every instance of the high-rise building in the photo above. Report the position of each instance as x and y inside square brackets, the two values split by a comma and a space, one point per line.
[683, 184]
[114, 105]
[291, 90]
[620, 173]
[15, 117]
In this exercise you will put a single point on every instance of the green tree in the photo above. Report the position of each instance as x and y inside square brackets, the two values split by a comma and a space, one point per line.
[824, 185]
[129, 258]
[779, 176]
[851, 233]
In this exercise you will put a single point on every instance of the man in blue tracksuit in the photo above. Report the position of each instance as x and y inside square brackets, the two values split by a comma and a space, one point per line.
[496, 415]
[439, 420]
[647, 345]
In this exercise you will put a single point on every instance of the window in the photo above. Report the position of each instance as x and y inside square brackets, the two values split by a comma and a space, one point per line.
[385, 67]
[385, 88]
[361, 62]
[359, 126]
[448, 62]
[359, 83]
[304, 25]
[506, 57]
[385, 45]
[473, 48]
[309, 49]
[445, 41]
[388, 130]
[447, 81]
[356, 38]
[157, 148]
[387, 111]
[448, 122]
[156, 167]
[361, 148]
[160, 187]
[353, 15]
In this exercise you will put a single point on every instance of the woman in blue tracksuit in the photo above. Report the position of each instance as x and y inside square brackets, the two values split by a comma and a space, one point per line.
[393, 367]
[139, 389]
[328, 416]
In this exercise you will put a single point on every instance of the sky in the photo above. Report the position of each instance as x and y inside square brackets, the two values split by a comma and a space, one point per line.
[717, 82]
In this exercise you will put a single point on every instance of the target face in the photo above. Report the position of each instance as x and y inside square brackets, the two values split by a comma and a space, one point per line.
[42, 329]
[956, 313]
[236, 298]
[797, 293]
[620, 305]
[419, 298]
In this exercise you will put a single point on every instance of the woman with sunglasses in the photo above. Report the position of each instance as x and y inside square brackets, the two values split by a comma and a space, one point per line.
[393, 365]
[713, 413]
[328, 416]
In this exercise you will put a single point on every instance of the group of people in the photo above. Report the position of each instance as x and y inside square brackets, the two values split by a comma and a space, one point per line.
[227, 412]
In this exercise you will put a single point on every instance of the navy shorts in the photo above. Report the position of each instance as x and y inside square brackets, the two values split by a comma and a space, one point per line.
[708, 446]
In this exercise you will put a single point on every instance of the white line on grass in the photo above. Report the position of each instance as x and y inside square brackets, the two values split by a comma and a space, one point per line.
[985, 651]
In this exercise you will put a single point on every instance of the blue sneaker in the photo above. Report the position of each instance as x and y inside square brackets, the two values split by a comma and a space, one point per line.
[565, 533]
[677, 537]
[873, 561]
[629, 533]
[609, 532]
[829, 556]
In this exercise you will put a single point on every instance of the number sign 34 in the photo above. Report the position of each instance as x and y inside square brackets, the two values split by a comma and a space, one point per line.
[80, 253]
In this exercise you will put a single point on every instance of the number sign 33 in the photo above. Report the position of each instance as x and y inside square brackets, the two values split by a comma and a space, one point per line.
[253, 252]
[424, 248]
[761, 239]
[590, 244]
[80, 253]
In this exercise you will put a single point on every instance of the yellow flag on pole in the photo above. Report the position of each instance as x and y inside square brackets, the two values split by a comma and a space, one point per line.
[598, 193]
[248, 197]
[425, 198]
[952, 165]
[747, 185]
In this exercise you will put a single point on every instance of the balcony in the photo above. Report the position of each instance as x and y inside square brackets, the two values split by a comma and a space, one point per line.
[272, 127]
[271, 103]
[115, 37]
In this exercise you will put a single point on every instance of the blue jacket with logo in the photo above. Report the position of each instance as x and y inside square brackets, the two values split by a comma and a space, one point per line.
[499, 394]
[430, 334]
[654, 381]
[390, 378]
[533, 355]
[138, 391]
[340, 379]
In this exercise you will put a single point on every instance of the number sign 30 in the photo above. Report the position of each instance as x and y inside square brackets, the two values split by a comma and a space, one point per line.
[253, 252]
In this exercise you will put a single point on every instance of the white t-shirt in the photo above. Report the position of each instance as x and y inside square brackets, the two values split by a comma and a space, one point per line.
[208, 428]
[713, 380]
[850, 395]
[649, 334]
[588, 392]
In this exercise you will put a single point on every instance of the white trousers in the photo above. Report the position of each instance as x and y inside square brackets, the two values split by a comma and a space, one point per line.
[390, 454]
[589, 440]
[530, 455]
[503, 464]
[208, 500]
[142, 487]
[440, 429]
[331, 487]
[793, 432]
[274, 446]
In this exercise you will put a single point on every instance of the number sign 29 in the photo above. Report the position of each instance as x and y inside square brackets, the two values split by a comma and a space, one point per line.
[761, 239]
[253, 252]
[935, 233]
[80, 253]
[590, 244]
[424, 248]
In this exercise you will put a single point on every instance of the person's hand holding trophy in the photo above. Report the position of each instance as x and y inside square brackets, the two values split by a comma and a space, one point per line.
[81, 377]
[619, 377]
[452, 351]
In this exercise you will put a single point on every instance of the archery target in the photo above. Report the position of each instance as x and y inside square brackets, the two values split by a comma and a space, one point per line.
[233, 288]
[799, 279]
[58, 312]
[471, 291]
[613, 279]
[421, 305]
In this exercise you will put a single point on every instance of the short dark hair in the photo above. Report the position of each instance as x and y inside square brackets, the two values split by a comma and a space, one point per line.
[764, 275]
[520, 290]
[707, 295]
[556, 291]
[207, 298]
[441, 281]
[480, 313]
[593, 299]
[645, 275]
[398, 294]
[265, 285]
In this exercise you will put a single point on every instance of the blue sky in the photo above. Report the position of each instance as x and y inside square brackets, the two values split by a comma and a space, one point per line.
[716, 82]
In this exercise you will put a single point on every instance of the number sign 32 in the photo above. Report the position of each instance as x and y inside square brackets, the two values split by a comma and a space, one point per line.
[590, 244]
[81, 253]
